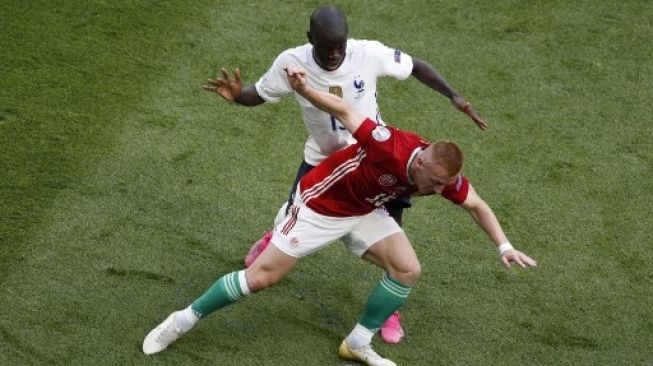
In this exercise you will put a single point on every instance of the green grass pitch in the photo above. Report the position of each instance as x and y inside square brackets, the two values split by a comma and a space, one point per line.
[126, 190]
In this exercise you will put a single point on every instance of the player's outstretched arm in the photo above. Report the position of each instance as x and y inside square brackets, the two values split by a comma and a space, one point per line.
[485, 218]
[326, 102]
[428, 76]
[231, 89]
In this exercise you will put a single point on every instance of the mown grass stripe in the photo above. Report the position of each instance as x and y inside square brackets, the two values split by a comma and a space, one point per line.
[112, 157]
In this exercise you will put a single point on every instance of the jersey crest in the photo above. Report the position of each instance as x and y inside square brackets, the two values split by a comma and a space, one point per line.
[359, 85]
[398, 56]
[381, 133]
[335, 90]
[387, 180]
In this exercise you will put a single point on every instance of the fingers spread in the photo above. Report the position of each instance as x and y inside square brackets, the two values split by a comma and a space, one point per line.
[505, 261]
[225, 74]
[529, 261]
[524, 261]
[216, 82]
[519, 261]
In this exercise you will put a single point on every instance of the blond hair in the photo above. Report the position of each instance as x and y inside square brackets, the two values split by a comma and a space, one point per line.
[448, 155]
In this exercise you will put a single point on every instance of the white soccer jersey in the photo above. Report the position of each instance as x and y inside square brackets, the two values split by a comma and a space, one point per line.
[354, 80]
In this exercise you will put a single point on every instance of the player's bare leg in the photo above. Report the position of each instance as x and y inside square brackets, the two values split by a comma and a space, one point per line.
[400, 262]
[392, 331]
[396, 256]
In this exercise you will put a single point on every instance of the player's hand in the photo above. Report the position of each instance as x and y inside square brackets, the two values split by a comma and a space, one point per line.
[462, 105]
[518, 257]
[296, 77]
[228, 88]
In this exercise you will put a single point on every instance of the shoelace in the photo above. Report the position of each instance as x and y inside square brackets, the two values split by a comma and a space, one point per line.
[370, 353]
[168, 334]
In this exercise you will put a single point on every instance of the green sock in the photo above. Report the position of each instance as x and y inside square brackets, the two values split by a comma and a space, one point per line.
[225, 291]
[388, 296]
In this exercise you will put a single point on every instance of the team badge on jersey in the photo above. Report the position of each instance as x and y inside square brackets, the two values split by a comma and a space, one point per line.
[359, 84]
[398, 56]
[336, 90]
[387, 180]
[381, 133]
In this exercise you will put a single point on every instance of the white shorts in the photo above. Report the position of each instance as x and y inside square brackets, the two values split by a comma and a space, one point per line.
[304, 231]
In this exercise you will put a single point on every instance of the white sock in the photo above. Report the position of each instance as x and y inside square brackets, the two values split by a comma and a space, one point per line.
[359, 337]
[244, 287]
[186, 319]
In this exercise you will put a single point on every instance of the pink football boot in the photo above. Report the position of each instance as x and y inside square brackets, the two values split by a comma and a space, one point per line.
[258, 248]
[391, 330]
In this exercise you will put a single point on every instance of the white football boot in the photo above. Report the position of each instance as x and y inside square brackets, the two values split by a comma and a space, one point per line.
[162, 336]
[365, 355]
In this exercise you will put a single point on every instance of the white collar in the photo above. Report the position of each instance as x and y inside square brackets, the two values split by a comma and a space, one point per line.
[410, 161]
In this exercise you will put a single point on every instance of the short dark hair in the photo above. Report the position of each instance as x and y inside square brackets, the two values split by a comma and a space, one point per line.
[328, 21]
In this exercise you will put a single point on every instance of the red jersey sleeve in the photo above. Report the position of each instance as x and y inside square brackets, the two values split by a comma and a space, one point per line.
[364, 131]
[456, 192]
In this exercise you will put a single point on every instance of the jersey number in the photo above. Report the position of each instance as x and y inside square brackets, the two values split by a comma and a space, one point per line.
[335, 90]
[380, 199]
[335, 124]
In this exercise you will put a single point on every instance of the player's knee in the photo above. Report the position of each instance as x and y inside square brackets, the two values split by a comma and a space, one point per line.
[260, 280]
[415, 272]
[408, 274]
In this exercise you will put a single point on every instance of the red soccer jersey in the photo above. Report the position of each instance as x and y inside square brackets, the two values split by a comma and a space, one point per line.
[356, 180]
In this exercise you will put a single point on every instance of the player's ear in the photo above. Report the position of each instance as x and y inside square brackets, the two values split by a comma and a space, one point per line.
[419, 161]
